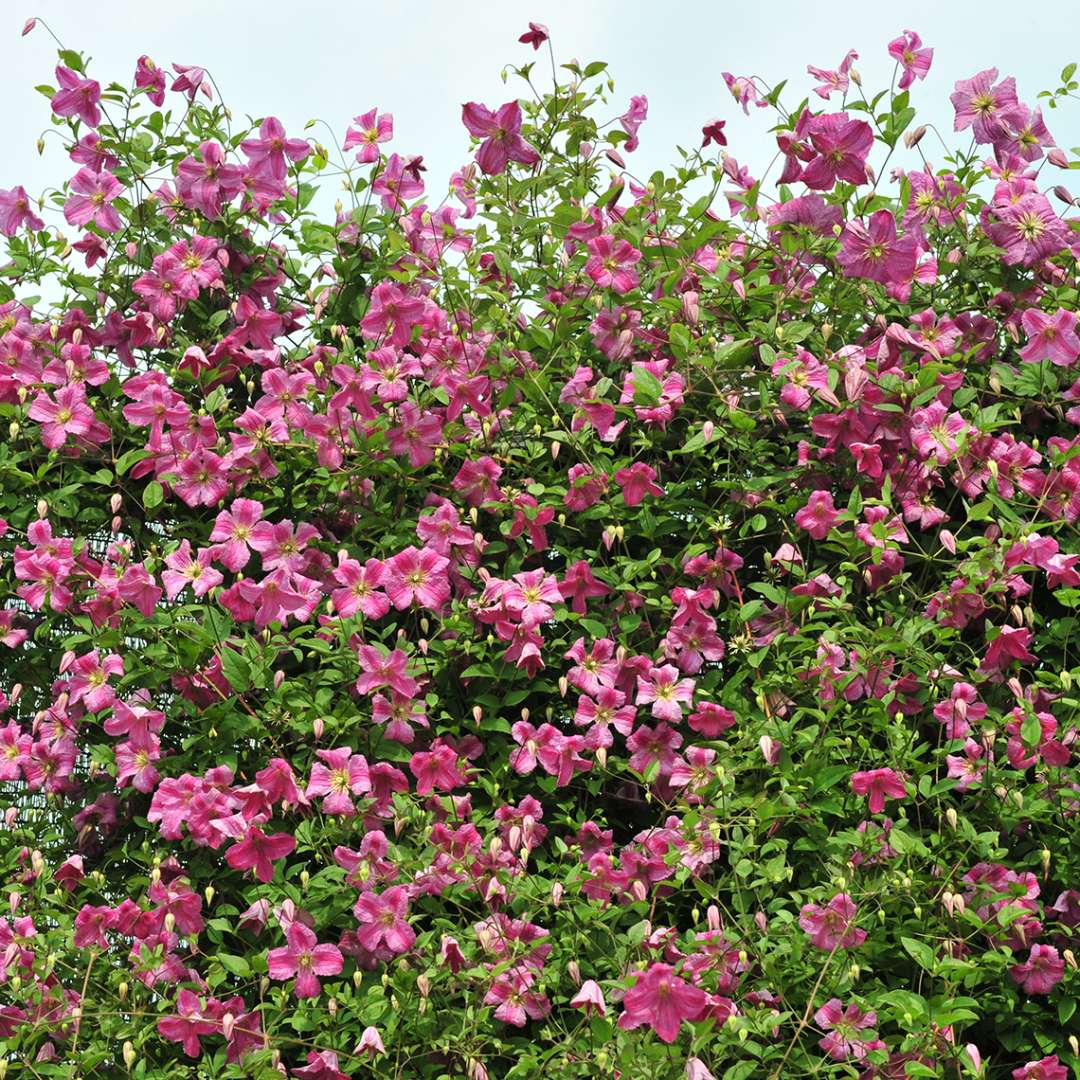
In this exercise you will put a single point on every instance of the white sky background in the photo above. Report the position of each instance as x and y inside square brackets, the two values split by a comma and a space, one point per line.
[306, 59]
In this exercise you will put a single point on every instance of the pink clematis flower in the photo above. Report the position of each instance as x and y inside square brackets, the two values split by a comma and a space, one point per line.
[637, 481]
[1040, 972]
[907, 50]
[77, 97]
[417, 576]
[91, 202]
[65, 416]
[258, 851]
[15, 212]
[1050, 337]
[371, 128]
[305, 959]
[610, 263]
[383, 921]
[662, 1000]
[337, 776]
[183, 570]
[983, 106]
[1047, 1068]
[436, 769]
[844, 1028]
[833, 926]
[666, 691]
[535, 36]
[878, 785]
[270, 154]
[819, 515]
[874, 251]
[501, 135]
[378, 669]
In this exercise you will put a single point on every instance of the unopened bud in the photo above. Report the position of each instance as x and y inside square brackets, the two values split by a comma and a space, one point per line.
[318, 727]
[228, 1022]
[477, 714]
[950, 817]
[130, 1056]
[208, 892]
[170, 922]
[574, 971]
[305, 879]
[1044, 856]
[42, 508]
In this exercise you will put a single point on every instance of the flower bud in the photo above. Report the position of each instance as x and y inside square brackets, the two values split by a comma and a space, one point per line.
[1074, 1044]
[950, 817]
[305, 879]
[1044, 856]
[208, 892]
[130, 1056]
[477, 714]
[1057, 157]
[170, 922]
[318, 727]
[228, 1022]
[42, 508]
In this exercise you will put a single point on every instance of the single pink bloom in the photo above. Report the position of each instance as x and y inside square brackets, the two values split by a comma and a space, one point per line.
[878, 785]
[662, 1000]
[833, 926]
[305, 959]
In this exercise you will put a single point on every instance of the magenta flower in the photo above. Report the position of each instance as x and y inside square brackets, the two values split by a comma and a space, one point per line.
[514, 997]
[833, 82]
[662, 1000]
[191, 80]
[380, 669]
[360, 588]
[208, 184]
[842, 146]
[873, 251]
[436, 769]
[65, 416]
[1010, 644]
[189, 1022]
[637, 481]
[1047, 1068]
[833, 926]
[590, 999]
[907, 50]
[501, 134]
[983, 106]
[90, 205]
[610, 263]
[371, 128]
[1040, 972]
[819, 515]
[713, 132]
[579, 585]
[339, 775]
[77, 97]
[878, 785]
[1028, 229]
[305, 959]
[845, 1027]
[529, 596]
[370, 1042]
[15, 212]
[183, 570]
[417, 576]
[270, 154]
[391, 315]
[232, 532]
[1050, 337]
[321, 1065]
[383, 924]
[258, 852]
[535, 36]
[667, 692]
[151, 78]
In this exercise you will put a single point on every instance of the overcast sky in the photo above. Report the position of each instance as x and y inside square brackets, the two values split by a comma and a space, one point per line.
[422, 59]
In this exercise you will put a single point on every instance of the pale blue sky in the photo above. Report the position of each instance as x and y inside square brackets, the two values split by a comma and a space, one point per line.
[421, 60]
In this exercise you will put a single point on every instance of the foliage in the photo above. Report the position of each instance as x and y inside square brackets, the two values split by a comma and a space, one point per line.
[564, 630]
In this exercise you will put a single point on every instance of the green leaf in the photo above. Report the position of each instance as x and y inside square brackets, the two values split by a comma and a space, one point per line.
[236, 669]
[153, 495]
[920, 952]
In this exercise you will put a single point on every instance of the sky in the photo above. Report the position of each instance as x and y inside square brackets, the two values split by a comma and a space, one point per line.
[423, 59]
